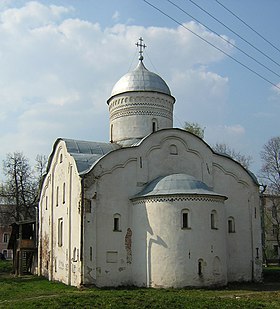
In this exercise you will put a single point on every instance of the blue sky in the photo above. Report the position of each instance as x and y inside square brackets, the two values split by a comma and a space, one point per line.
[59, 61]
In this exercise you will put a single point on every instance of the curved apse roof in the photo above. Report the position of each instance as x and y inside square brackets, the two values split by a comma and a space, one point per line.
[140, 79]
[176, 184]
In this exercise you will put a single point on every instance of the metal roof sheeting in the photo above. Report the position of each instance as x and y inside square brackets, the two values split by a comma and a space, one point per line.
[87, 153]
[175, 184]
[140, 79]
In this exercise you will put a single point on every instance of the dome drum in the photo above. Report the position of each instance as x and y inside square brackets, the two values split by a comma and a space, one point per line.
[146, 112]
[141, 106]
[135, 124]
[135, 99]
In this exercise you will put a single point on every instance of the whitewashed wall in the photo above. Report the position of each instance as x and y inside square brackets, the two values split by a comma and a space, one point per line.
[132, 114]
[123, 173]
[61, 263]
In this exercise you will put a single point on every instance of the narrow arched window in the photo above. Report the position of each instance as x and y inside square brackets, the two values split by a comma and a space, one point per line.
[111, 133]
[185, 219]
[140, 162]
[5, 253]
[117, 223]
[90, 253]
[57, 193]
[200, 267]
[216, 266]
[257, 253]
[61, 158]
[60, 232]
[214, 220]
[154, 125]
[231, 225]
[173, 150]
[75, 254]
[63, 193]
[5, 237]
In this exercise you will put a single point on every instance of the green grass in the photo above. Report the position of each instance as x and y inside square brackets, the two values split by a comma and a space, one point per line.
[272, 273]
[36, 292]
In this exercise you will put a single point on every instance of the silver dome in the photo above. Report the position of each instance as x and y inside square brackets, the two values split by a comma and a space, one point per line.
[140, 79]
[176, 184]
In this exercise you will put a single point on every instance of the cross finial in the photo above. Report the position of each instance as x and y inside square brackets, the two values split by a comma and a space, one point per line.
[141, 48]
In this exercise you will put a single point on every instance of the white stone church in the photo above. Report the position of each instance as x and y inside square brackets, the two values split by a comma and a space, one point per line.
[154, 207]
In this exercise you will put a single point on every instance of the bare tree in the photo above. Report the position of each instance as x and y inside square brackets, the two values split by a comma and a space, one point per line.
[274, 217]
[270, 171]
[270, 175]
[6, 212]
[194, 128]
[40, 166]
[21, 186]
[223, 148]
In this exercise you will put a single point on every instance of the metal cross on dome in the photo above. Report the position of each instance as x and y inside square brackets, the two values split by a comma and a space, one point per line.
[141, 48]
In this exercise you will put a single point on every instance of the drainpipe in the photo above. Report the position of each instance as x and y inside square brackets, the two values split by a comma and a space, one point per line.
[40, 239]
[70, 226]
[50, 271]
[82, 231]
[263, 239]
[37, 236]
[252, 239]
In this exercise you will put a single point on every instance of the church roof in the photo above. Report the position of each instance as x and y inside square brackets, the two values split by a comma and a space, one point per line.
[140, 79]
[85, 153]
[175, 184]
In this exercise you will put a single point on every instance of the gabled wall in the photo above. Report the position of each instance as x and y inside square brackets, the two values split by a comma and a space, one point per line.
[60, 219]
[243, 207]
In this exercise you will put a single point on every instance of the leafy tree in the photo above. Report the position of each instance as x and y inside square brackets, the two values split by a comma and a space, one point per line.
[194, 128]
[21, 186]
[227, 150]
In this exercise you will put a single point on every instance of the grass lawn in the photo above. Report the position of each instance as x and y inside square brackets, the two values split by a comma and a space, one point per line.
[35, 292]
[272, 273]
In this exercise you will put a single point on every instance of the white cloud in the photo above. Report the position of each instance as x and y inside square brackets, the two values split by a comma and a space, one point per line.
[4, 4]
[32, 15]
[236, 129]
[116, 16]
[63, 100]
[275, 96]
[57, 73]
[232, 135]
[201, 96]
[229, 131]
[264, 115]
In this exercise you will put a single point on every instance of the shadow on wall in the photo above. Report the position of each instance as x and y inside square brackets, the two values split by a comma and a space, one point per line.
[158, 241]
